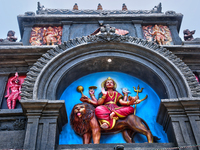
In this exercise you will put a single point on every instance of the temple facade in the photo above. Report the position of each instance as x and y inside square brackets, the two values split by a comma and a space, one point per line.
[61, 47]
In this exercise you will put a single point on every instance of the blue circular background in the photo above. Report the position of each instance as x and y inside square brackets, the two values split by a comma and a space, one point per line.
[147, 109]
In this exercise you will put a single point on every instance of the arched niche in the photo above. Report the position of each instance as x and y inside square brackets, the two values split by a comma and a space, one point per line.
[147, 109]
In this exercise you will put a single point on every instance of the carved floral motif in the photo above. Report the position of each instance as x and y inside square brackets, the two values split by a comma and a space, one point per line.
[18, 124]
[50, 35]
[158, 33]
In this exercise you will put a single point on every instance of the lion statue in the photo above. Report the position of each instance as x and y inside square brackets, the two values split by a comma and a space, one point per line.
[85, 124]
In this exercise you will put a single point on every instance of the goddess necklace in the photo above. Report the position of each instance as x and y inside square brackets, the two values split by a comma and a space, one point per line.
[111, 95]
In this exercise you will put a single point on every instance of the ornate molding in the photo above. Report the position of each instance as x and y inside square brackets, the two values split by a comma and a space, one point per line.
[107, 35]
[45, 11]
[171, 13]
[18, 124]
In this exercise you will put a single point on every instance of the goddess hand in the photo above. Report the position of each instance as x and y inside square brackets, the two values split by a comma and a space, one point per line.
[16, 74]
[91, 91]
[84, 99]
[137, 101]
[103, 91]
[7, 96]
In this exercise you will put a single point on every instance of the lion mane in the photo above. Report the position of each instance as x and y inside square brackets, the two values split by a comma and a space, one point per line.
[82, 125]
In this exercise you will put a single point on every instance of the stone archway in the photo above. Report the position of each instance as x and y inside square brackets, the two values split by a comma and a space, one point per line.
[62, 65]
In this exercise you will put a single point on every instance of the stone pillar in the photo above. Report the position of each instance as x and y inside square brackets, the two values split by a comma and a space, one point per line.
[66, 30]
[3, 82]
[180, 119]
[174, 31]
[192, 109]
[45, 119]
[26, 33]
[138, 28]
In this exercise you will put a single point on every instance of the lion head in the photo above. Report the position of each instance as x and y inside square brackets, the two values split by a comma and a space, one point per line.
[80, 117]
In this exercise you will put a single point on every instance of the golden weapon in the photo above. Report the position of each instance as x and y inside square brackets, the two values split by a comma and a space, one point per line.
[80, 89]
[92, 87]
[139, 91]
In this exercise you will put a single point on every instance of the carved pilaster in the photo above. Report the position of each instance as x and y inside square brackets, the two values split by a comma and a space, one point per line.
[3, 81]
[138, 28]
[66, 30]
[26, 33]
[45, 121]
[181, 117]
[174, 31]
[192, 109]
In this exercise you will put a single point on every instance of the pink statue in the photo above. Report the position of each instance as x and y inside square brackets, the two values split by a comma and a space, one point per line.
[15, 87]
[107, 110]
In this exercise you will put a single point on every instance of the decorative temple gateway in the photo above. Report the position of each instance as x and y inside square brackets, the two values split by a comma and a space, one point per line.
[122, 79]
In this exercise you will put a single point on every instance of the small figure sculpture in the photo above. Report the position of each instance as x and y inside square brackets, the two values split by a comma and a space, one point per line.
[124, 8]
[46, 35]
[50, 36]
[168, 36]
[15, 87]
[10, 37]
[75, 6]
[99, 7]
[157, 9]
[116, 31]
[188, 35]
[158, 33]
[59, 31]
[108, 111]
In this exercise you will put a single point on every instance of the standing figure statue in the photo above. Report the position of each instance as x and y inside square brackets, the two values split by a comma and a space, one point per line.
[15, 87]
[188, 35]
[50, 36]
[108, 109]
[159, 35]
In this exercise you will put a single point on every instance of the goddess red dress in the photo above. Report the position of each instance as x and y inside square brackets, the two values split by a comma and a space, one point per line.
[103, 112]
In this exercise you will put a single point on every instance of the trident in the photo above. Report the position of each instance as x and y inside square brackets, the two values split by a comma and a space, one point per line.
[138, 91]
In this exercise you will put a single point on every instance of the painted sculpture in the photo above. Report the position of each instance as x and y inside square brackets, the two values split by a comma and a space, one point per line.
[50, 35]
[188, 35]
[117, 31]
[113, 113]
[158, 33]
[15, 87]
[10, 37]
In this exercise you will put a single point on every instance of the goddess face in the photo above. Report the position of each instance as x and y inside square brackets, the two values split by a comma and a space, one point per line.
[109, 84]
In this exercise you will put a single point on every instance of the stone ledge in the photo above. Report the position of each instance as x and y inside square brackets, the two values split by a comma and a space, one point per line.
[132, 146]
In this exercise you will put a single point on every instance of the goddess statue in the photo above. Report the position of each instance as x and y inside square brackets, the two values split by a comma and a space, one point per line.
[111, 105]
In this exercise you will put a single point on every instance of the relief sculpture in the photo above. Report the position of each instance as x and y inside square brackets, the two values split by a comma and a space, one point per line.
[15, 86]
[158, 33]
[50, 35]
[110, 113]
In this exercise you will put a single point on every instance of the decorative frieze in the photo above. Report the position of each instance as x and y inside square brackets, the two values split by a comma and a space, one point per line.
[49, 35]
[158, 33]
